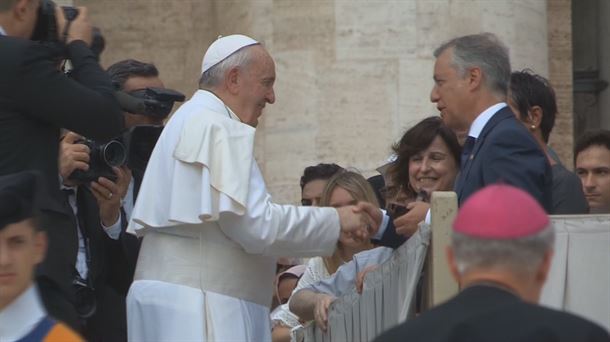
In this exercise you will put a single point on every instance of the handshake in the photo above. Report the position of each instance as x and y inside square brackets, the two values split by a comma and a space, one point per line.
[360, 221]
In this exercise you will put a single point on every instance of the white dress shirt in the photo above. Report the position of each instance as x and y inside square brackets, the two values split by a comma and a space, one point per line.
[21, 316]
[113, 232]
[479, 123]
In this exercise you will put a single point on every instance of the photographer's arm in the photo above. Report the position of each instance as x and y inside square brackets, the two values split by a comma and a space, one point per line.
[84, 104]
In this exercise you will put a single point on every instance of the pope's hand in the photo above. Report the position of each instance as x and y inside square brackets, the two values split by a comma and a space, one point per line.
[356, 223]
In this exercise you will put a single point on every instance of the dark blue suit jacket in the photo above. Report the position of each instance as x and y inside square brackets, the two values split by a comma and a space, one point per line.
[505, 152]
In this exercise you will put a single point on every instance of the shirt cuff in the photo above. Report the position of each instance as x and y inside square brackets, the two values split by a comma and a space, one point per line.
[383, 226]
[113, 231]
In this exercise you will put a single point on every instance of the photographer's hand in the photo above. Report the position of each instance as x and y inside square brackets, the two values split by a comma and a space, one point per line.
[72, 156]
[109, 194]
[80, 28]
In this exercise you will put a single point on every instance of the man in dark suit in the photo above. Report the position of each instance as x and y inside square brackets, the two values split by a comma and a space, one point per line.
[500, 254]
[36, 100]
[104, 216]
[471, 77]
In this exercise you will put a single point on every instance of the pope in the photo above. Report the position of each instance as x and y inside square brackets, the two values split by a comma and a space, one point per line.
[211, 230]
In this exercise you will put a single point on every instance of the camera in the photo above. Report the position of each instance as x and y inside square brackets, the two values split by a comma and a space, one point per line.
[155, 102]
[102, 158]
[46, 29]
[133, 148]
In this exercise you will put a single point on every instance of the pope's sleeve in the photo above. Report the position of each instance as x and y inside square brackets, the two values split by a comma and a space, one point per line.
[272, 229]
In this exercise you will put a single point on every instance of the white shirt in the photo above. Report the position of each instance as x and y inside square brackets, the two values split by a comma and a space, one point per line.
[113, 232]
[2, 32]
[128, 200]
[479, 123]
[21, 316]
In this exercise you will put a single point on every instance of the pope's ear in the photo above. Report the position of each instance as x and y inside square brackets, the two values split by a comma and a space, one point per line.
[232, 80]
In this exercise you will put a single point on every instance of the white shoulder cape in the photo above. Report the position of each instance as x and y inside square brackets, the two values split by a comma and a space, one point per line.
[199, 168]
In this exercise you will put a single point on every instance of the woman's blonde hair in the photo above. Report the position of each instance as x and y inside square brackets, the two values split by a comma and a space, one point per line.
[352, 182]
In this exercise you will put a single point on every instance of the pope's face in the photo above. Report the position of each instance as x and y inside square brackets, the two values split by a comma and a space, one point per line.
[256, 86]
[450, 92]
[21, 249]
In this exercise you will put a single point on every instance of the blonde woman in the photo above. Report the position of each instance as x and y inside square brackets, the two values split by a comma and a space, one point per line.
[344, 188]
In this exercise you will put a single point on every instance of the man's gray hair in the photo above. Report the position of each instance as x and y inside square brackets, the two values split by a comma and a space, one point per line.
[520, 256]
[214, 75]
[485, 51]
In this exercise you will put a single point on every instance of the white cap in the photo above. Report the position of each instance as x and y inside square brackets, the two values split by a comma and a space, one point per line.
[224, 47]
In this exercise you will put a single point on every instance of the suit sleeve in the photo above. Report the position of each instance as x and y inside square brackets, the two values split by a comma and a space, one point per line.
[84, 104]
[516, 159]
[390, 238]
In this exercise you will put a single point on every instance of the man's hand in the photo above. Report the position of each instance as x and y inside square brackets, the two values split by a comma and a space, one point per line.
[109, 194]
[72, 156]
[80, 28]
[361, 275]
[356, 223]
[408, 223]
[320, 312]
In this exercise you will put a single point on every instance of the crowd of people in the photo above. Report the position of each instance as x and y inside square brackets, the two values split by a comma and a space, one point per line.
[178, 238]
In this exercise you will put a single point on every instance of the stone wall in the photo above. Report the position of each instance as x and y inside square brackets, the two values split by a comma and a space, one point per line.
[560, 76]
[352, 75]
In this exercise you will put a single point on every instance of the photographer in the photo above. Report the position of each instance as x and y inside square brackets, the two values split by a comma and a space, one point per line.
[36, 100]
[102, 205]
[100, 260]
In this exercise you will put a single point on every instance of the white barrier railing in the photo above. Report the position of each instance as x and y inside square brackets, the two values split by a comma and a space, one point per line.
[388, 296]
[579, 280]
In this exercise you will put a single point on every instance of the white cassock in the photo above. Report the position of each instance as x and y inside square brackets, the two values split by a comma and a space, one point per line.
[211, 233]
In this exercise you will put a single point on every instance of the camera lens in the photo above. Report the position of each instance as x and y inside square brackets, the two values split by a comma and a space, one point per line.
[114, 153]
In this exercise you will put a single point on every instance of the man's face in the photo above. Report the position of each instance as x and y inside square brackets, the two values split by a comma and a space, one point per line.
[593, 168]
[256, 86]
[138, 83]
[450, 92]
[312, 191]
[21, 249]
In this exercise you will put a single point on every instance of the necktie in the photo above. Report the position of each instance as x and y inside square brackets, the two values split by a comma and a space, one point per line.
[467, 150]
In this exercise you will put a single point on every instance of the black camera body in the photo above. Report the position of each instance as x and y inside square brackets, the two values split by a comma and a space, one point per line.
[133, 148]
[102, 158]
[46, 29]
[155, 102]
